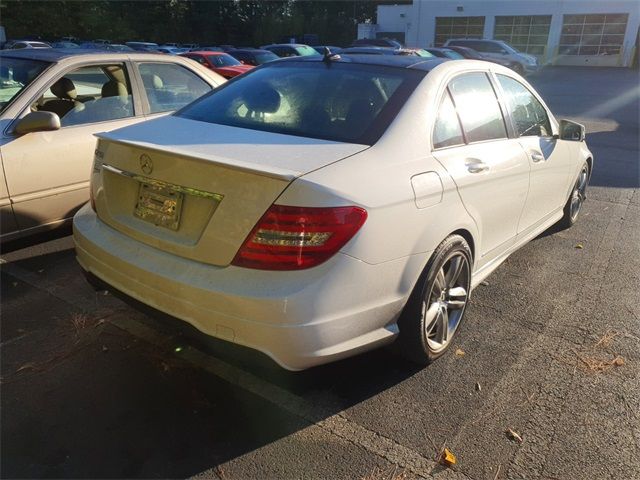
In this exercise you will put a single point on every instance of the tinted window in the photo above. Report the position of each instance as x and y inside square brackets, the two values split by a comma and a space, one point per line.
[347, 102]
[447, 131]
[91, 94]
[527, 113]
[492, 47]
[478, 107]
[265, 57]
[452, 54]
[170, 86]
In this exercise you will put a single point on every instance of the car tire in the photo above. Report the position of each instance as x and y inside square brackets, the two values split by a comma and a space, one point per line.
[576, 199]
[436, 307]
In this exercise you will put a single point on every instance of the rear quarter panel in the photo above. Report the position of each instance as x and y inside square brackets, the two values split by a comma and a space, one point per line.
[379, 180]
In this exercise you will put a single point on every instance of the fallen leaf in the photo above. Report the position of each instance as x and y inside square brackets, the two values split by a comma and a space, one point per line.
[41, 270]
[579, 246]
[460, 352]
[484, 283]
[513, 435]
[26, 366]
[105, 348]
[15, 284]
[447, 458]
[178, 349]
[618, 362]
[478, 386]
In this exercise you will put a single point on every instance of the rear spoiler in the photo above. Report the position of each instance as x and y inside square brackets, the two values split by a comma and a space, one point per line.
[256, 169]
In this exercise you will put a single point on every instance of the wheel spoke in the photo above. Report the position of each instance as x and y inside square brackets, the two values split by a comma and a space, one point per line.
[430, 315]
[583, 182]
[439, 284]
[444, 329]
[457, 298]
[455, 268]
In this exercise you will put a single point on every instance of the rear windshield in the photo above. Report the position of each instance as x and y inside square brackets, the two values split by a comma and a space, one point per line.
[340, 102]
[15, 75]
[305, 51]
[223, 60]
[265, 57]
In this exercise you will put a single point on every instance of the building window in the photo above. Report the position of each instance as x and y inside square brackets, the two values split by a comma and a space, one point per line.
[528, 33]
[601, 34]
[458, 27]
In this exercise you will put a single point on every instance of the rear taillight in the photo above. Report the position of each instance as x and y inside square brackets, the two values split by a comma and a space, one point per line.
[294, 238]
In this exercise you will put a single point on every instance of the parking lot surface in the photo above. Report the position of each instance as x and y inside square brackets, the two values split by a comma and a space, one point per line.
[542, 381]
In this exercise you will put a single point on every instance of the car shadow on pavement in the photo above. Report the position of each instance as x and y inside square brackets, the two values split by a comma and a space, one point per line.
[84, 398]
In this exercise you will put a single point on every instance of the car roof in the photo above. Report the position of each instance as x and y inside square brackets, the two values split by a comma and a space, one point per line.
[286, 45]
[249, 50]
[57, 54]
[207, 52]
[399, 61]
[474, 40]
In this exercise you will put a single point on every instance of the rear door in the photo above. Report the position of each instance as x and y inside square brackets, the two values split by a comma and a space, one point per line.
[169, 86]
[490, 170]
[47, 173]
[549, 158]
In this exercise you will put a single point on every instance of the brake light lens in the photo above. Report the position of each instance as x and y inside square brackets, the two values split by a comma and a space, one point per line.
[295, 238]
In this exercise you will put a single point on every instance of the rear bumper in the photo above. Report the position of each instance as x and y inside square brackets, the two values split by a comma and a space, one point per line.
[299, 319]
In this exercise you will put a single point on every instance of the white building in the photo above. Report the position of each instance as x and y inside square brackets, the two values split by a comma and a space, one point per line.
[559, 32]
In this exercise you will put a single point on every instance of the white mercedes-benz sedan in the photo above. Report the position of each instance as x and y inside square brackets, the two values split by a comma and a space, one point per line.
[318, 207]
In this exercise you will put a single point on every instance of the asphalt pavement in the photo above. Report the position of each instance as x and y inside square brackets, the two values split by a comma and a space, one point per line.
[541, 383]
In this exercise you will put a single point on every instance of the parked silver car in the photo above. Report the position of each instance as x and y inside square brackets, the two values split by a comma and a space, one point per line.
[523, 63]
[53, 101]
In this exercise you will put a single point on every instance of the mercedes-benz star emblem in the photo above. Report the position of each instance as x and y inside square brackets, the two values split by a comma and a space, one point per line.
[146, 164]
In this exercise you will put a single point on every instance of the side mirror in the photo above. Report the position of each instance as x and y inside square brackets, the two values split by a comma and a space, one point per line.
[38, 122]
[572, 131]
[503, 52]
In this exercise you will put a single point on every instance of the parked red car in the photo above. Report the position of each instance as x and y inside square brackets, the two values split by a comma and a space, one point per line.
[219, 62]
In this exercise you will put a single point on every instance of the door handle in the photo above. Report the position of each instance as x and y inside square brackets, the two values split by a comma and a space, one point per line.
[476, 166]
[536, 157]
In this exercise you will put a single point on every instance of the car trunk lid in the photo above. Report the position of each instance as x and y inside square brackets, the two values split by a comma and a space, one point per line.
[197, 189]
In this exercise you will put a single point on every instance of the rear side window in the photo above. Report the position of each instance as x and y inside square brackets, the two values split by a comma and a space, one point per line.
[477, 107]
[169, 86]
[344, 102]
[528, 114]
[447, 131]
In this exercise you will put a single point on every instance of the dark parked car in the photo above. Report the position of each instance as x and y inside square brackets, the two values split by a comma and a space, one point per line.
[211, 48]
[143, 46]
[253, 56]
[377, 42]
[320, 48]
[291, 50]
[62, 44]
[378, 51]
[445, 53]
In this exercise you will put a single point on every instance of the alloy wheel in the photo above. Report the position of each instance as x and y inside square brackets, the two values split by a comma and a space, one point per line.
[444, 304]
[578, 193]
